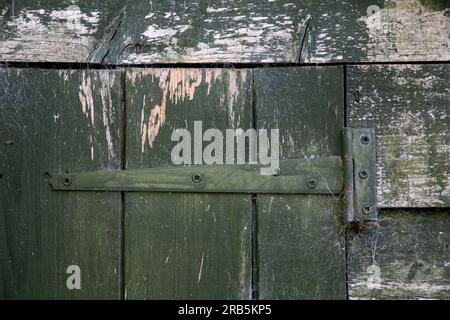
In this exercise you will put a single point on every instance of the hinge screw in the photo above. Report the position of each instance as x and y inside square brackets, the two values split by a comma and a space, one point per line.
[365, 140]
[196, 178]
[276, 171]
[363, 174]
[312, 184]
[366, 209]
[67, 181]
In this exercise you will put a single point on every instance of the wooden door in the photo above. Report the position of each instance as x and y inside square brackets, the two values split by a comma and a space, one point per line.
[95, 86]
[166, 244]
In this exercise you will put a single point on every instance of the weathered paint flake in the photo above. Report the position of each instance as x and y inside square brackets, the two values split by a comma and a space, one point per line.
[38, 32]
[391, 30]
[98, 85]
[177, 85]
[141, 32]
[407, 30]
[225, 31]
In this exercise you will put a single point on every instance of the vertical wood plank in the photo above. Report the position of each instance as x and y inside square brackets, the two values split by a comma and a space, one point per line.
[190, 246]
[301, 250]
[52, 121]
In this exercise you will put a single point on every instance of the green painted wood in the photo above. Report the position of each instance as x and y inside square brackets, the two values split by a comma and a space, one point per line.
[301, 249]
[141, 32]
[232, 178]
[52, 121]
[193, 246]
[408, 251]
[408, 105]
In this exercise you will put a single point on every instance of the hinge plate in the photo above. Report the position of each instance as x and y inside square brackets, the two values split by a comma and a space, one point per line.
[360, 174]
[354, 174]
[316, 175]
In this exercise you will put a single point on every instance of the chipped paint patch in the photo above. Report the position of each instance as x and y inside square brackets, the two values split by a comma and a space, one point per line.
[98, 85]
[107, 82]
[178, 85]
[86, 97]
[65, 34]
[416, 186]
[247, 33]
[407, 30]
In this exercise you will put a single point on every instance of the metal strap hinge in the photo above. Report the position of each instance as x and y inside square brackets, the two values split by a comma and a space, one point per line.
[353, 174]
[318, 175]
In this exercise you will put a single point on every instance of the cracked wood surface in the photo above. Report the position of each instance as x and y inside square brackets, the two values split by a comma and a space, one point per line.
[142, 32]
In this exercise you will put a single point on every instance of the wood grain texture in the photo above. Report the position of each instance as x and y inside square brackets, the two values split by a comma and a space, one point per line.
[308, 31]
[56, 31]
[409, 107]
[382, 31]
[52, 121]
[411, 250]
[283, 31]
[301, 249]
[190, 246]
[209, 31]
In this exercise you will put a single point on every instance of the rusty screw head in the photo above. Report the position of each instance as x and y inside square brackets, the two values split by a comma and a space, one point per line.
[363, 174]
[365, 139]
[196, 178]
[312, 184]
[366, 208]
[67, 181]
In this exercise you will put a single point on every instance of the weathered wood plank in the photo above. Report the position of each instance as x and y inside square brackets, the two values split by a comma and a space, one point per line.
[52, 121]
[301, 249]
[192, 246]
[283, 31]
[225, 31]
[409, 107]
[405, 256]
[209, 31]
[389, 30]
[56, 31]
